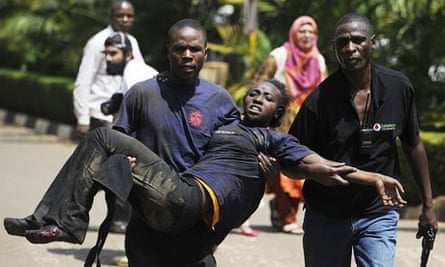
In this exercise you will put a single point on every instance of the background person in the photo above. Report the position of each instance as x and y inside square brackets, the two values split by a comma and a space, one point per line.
[355, 116]
[299, 64]
[94, 85]
[119, 59]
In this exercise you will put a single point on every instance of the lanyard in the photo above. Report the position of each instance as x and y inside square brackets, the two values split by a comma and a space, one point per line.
[367, 110]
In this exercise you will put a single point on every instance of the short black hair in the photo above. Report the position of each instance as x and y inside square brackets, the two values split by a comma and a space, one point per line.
[276, 121]
[282, 88]
[350, 17]
[119, 40]
[187, 22]
[117, 3]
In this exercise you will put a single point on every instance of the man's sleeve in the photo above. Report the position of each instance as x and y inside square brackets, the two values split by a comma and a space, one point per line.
[305, 125]
[411, 127]
[137, 54]
[227, 106]
[88, 68]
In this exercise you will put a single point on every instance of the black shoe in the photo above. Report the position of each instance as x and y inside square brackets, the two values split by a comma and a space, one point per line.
[17, 226]
[118, 227]
[49, 233]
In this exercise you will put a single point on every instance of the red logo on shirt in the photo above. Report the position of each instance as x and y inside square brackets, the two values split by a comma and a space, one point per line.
[377, 127]
[195, 118]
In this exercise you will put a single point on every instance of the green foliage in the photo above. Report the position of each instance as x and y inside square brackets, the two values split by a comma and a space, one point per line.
[41, 96]
[412, 33]
[47, 36]
[434, 143]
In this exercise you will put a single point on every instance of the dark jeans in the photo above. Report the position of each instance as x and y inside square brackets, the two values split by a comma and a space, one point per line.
[166, 201]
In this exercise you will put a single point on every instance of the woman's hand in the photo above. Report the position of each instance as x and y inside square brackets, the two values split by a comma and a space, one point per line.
[390, 191]
[327, 173]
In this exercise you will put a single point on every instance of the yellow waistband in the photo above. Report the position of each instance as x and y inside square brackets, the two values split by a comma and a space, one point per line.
[210, 219]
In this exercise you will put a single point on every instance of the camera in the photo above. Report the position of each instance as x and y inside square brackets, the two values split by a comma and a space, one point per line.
[112, 106]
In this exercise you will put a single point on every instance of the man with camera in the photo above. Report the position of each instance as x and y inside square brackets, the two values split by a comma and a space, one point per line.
[93, 85]
[119, 58]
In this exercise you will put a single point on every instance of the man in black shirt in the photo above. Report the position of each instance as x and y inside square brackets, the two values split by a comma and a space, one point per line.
[355, 116]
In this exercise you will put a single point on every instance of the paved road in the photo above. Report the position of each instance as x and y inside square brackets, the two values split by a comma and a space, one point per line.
[28, 162]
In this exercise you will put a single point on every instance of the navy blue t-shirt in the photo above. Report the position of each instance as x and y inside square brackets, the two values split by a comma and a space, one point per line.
[175, 122]
[230, 168]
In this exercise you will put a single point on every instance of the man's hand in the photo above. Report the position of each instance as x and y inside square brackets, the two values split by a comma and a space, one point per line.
[427, 230]
[426, 219]
[269, 166]
[132, 161]
[82, 130]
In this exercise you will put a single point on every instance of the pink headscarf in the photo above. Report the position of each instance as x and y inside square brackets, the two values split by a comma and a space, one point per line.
[302, 69]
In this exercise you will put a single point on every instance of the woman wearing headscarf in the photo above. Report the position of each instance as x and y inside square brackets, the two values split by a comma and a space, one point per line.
[299, 64]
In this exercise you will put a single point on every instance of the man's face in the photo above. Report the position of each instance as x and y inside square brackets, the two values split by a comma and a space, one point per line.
[187, 52]
[115, 60]
[353, 45]
[122, 17]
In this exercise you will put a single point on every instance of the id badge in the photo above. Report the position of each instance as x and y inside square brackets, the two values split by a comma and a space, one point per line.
[365, 141]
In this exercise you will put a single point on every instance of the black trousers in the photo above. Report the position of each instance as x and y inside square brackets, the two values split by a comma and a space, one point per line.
[147, 247]
[121, 209]
[165, 201]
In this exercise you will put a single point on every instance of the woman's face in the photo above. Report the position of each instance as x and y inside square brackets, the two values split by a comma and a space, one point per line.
[261, 104]
[304, 37]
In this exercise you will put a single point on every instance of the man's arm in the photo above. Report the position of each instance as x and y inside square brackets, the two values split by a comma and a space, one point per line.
[331, 173]
[319, 169]
[387, 187]
[417, 159]
[267, 69]
[88, 68]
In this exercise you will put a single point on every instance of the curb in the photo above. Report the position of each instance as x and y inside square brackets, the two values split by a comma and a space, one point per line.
[40, 125]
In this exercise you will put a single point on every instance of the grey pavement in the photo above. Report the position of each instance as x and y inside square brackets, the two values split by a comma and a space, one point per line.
[29, 161]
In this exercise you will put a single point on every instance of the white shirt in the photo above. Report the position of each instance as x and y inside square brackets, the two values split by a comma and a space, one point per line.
[134, 72]
[93, 85]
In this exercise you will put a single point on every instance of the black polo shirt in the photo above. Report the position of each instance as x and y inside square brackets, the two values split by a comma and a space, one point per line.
[329, 124]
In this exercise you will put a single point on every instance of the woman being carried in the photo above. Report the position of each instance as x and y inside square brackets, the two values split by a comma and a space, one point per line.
[222, 190]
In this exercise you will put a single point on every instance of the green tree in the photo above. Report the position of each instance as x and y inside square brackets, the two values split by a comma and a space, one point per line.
[410, 34]
[413, 34]
[46, 36]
